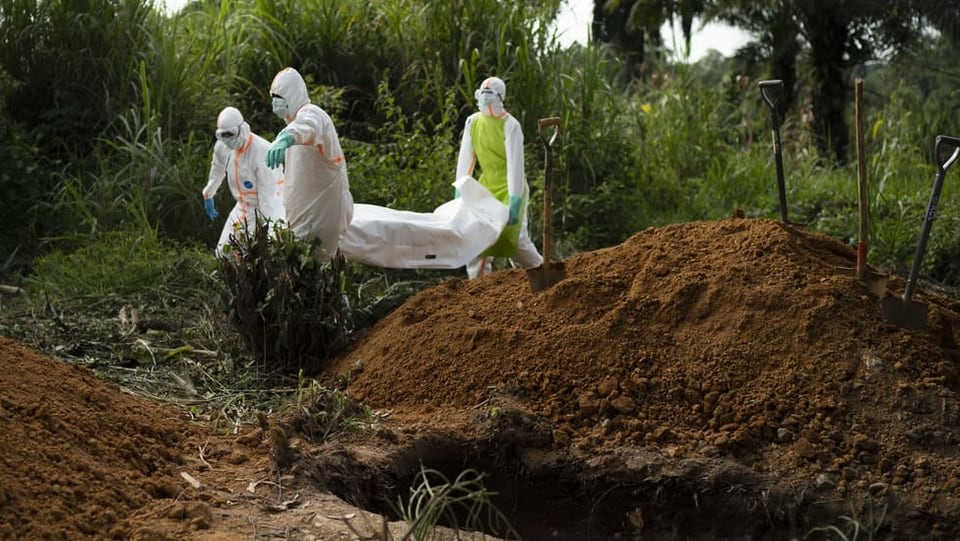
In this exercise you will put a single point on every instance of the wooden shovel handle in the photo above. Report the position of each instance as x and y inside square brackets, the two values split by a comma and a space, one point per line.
[863, 229]
[545, 123]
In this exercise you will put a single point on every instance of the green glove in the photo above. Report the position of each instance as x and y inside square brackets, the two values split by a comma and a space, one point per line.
[515, 202]
[456, 193]
[277, 151]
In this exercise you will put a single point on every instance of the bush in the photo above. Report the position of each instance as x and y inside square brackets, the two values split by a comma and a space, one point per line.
[287, 302]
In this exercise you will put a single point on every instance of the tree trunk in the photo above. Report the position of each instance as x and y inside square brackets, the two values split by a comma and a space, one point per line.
[828, 36]
[611, 27]
[786, 48]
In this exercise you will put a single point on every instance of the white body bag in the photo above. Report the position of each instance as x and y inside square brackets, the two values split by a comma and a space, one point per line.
[451, 236]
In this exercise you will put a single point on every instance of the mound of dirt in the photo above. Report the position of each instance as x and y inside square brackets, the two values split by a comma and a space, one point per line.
[689, 379]
[738, 339]
[78, 456]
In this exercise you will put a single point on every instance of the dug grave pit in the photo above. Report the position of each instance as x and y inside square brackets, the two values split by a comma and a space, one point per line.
[738, 341]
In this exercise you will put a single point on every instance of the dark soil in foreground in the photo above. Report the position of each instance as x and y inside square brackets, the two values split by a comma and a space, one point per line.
[714, 380]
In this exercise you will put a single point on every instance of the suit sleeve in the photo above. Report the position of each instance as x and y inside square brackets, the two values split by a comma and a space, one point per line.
[218, 170]
[466, 160]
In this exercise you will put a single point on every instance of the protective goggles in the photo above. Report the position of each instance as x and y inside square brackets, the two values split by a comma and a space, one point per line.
[489, 93]
[227, 133]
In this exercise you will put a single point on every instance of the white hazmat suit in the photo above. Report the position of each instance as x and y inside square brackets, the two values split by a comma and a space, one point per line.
[316, 192]
[493, 138]
[238, 157]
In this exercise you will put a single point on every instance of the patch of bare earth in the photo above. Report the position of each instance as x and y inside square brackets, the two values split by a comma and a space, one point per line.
[714, 380]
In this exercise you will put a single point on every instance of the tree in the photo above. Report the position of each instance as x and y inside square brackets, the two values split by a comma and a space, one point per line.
[835, 35]
[630, 25]
[611, 25]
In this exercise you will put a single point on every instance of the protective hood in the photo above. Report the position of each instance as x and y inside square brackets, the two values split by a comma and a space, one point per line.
[244, 135]
[231, 128]
[229, 118]
[289, 85]
[490, 96]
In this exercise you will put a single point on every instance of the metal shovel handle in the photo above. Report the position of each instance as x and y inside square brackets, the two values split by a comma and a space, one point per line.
[942, 142]
[765, 87]
[542, 126]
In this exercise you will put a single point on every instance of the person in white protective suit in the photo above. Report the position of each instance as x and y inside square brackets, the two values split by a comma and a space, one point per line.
[238, 157]
[316, 192]
[493, 138]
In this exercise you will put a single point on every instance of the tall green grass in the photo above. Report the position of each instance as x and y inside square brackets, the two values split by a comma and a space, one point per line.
[398, 78]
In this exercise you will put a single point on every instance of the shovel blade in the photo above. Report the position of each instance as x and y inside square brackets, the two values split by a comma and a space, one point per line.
[904, 313]
[875, 281]
[545, 276]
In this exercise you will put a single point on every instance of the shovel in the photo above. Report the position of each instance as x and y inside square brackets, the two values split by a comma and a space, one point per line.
[550, 272]
[765, 90]
[905, 312]
[862, 245]
[876, 281]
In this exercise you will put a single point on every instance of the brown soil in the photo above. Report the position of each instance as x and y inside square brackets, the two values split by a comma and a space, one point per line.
[714, 380]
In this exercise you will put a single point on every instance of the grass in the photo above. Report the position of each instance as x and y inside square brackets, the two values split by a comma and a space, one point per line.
[461, 503]
[131, 263]
[854, 527]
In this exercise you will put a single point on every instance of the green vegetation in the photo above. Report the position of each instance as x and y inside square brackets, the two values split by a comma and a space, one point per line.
[810, 45]
[858, 526]
[107, 115]
[461, 504]
[289, 305]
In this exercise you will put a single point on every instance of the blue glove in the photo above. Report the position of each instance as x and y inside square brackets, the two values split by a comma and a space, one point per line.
[276, 152]
[456, 193]
[515, 202]
[211, 210]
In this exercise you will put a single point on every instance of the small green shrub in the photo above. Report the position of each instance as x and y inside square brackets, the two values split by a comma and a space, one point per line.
[412, 165]
[286, 300]
[320, 412]
[861, 525]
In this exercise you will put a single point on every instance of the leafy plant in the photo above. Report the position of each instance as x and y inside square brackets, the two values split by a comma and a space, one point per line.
[287, 301]
[412, 164]
[320, 412]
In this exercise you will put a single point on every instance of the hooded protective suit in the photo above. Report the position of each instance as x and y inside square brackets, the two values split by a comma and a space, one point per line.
[238, 157]
[493, 138]
[316, 192]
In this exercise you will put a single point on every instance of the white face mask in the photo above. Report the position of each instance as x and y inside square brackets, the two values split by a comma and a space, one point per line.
[486, 98]
[280, 107]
